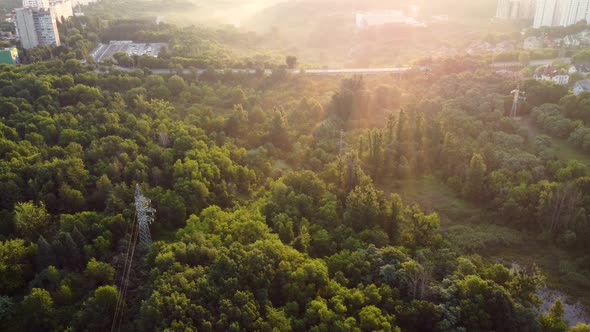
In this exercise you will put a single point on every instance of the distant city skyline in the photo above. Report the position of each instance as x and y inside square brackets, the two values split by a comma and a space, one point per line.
[560, 12]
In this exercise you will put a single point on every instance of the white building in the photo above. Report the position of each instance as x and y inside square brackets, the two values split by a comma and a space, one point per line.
[582, 69]
[515, 9]
[503, 9]
[548, 73]
[574, 11]
[581, 86]
[365, 20]
[62, 9]
[527, 9]
[83, 2]
[36, 27]
[35, 3]
[547, 13]
[531, 43]
[561, 12]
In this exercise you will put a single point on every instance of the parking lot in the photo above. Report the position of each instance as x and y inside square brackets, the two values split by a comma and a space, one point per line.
[106, 51]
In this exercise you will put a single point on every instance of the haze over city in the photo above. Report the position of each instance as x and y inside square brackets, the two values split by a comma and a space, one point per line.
[295, 165]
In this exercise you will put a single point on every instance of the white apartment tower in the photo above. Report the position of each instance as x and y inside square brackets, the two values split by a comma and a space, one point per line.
[574, 11]
[547, 13]
[36, 27]
[515, 9]
[561, 12]
[35, 3]
[527, 9]
[503, 9]
[62, 9]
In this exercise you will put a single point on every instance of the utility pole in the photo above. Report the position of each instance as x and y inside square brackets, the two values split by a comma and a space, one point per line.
[342, 143]
[518, 96]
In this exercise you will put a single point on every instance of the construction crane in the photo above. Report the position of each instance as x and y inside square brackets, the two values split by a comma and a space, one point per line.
[518, 97]
[140, 232]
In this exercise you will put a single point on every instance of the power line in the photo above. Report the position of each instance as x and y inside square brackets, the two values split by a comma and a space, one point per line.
[140, 231]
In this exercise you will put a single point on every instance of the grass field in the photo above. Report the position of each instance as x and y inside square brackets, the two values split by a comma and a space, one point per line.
[561, 148]
[433, 195]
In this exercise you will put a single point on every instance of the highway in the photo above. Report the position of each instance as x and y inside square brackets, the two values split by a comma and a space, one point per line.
[512, 64]
[352, 71]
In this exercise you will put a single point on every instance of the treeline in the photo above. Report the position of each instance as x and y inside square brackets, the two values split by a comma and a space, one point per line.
[262, 222]
[568, 120]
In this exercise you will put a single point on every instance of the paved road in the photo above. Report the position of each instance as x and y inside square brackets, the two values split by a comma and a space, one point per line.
[532, 63]
[358, 71]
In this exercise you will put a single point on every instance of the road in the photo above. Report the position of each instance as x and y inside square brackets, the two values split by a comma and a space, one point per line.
[352, 71]
[532, 63]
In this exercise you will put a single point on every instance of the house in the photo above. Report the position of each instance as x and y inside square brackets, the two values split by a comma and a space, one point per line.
[583, 69]
[571, 41]
[515, 75]
[504, 46]
[581, 86]
[549, 73]
[531, 43]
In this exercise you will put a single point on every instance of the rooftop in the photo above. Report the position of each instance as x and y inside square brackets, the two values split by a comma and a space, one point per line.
[550, 71]
[585, 85]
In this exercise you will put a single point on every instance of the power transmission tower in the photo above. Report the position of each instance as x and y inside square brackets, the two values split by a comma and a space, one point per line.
[140, 232]
[518, 96]
[145, 215]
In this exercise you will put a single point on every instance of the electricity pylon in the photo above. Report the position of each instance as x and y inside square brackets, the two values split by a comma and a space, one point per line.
[518, 96]
[140, 231]
[145, 216]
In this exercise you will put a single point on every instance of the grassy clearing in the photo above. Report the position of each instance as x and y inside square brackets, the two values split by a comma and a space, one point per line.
[561, 147]
[433, 195]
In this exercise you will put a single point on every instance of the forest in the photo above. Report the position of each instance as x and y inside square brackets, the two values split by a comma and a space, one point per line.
[279, 201]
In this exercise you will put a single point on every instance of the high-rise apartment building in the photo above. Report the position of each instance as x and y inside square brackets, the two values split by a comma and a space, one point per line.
[574, 11]
[527, 9]
[36, 26]
[561, 12]
[515, 9]
[547, 13]
[62, 9]
[35, 3]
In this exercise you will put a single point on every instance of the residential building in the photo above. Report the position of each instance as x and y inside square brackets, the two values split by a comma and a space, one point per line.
[83, 2]
[549, 73]
[581, 39]
[561, 12]
[36, 27]
[62, 9]
[515, 9]
[574, 11]
[582, 69]
[9, 55]
[35, 3]
[514, 75]
[527, 9]
[547, 13]
[531, 43]
[25, 27]
[503, 9]
[365, 20]
[581, 86]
